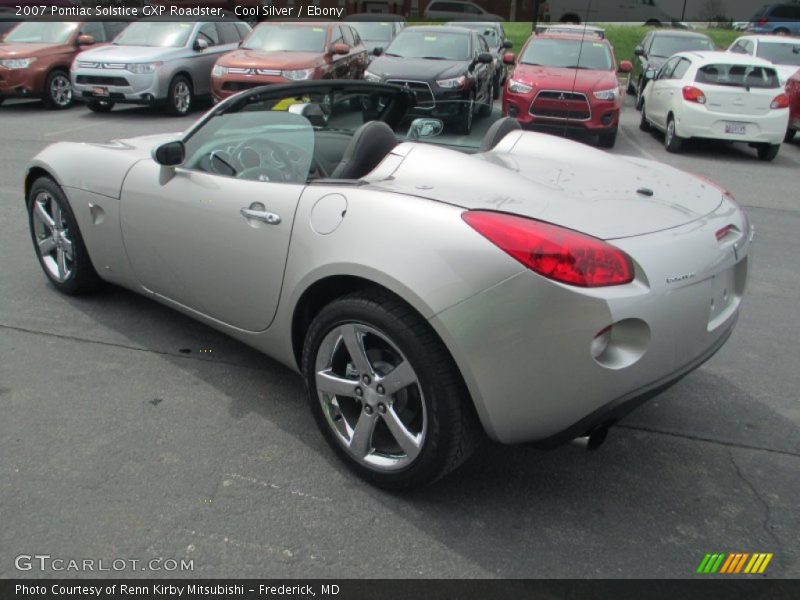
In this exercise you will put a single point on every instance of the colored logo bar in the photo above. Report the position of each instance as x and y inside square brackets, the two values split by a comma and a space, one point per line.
[735, 563]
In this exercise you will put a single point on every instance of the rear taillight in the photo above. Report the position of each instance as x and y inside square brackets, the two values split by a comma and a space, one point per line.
[554, 252]
[693, 94]
[763, 22]
[780, 101]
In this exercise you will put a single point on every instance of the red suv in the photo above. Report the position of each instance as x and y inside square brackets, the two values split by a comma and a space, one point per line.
[566, 82]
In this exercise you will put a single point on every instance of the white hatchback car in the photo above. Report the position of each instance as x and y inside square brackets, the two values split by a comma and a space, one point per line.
[717, 95]
[781, 51]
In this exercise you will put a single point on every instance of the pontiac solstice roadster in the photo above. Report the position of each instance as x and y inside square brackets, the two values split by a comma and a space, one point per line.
[431, 288]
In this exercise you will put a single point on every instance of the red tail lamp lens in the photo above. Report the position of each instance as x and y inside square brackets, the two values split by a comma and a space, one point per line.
[693, 94]
[554, 252]
[780, 101]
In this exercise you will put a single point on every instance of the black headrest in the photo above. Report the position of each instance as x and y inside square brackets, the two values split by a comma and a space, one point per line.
[370, 144]
[499, 129]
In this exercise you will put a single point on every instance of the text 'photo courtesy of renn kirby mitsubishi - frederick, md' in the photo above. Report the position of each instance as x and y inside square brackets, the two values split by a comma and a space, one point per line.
[399, 298]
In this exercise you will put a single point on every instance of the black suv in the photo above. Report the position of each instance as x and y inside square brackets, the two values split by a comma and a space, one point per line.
[449, 69]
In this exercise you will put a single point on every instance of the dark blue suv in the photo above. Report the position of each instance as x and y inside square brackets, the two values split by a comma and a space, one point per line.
[783, 19]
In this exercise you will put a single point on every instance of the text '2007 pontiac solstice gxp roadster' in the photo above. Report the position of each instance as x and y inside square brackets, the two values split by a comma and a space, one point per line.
[432, 288]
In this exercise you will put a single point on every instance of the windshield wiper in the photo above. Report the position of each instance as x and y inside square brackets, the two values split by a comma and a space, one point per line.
[532, 64]
[433, 57]
[390, 54]
[576, 67]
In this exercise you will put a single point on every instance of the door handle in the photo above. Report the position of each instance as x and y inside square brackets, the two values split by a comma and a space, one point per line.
[257, 212]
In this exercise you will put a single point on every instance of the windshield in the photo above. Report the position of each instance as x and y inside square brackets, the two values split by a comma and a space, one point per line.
[374, 32]
[665, 46]
[747, 76]
[488, 32]
[152, 33]
[429, 44]
[286, 38]
[571, 54]
[41, 33]
[780, 53]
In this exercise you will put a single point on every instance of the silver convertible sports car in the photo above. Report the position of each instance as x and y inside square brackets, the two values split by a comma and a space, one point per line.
[431, 288]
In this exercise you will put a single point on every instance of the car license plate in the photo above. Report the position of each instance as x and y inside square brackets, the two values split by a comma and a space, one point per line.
[100, 91]
[736, 128]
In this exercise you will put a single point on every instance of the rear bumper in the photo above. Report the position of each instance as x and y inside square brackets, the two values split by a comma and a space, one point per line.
[524, 346]
[697, 121]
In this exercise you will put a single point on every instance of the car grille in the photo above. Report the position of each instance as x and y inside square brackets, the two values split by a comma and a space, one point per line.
[554, 104]
[99, 65]
[265, 72]
[422, 91]
[102, 80]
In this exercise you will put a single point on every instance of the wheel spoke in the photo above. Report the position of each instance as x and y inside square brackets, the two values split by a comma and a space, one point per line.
[398, 378]
[408, 441]
[61, 260]
[56, 210]
[43, 215]
[46, 246]
[337, 386]
[354, 341]
[361, 440]
[67, 247]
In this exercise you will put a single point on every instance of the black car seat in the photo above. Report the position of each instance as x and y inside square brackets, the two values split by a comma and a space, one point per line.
[499, 129]
[370, 144]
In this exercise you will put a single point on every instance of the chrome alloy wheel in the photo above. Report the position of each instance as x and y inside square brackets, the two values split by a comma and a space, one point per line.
[53, 238]
[61, 90]
[371, 397]
[670, 135]
[182, 97]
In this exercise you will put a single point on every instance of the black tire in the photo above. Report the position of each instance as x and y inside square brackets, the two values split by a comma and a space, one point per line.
[453, 430]
[57, 94]
[608, 139]
[630, 89]
[82, 277]
[781, 31]
[179, 104]
[100, 106]
[672, 141]
[497, 86]
[768, 152]
[790, 133]
[644, 124]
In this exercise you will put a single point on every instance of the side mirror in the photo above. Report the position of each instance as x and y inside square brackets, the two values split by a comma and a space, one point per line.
[377, 51]
[638, 51]
[200, 45]
[85, 40]
[508, 44]
[651, 74]
[170, 154]
[424, 127]
[509, 58]
[625, 66]
[339, 49]
[485, 58]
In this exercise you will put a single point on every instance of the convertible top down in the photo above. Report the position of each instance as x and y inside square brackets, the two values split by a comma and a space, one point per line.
[431, 287]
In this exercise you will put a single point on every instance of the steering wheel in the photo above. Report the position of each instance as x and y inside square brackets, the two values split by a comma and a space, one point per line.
[264, 148]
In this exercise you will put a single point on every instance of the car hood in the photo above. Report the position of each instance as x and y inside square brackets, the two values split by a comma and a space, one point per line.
[558, 78]
[555, 180]
[12, 50]
[257, 59]
[423, 69]
[126, 53]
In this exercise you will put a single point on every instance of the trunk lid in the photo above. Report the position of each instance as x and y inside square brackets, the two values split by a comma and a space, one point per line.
[555, 180]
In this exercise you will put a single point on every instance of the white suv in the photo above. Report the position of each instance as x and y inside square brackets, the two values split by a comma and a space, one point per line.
[717, 95]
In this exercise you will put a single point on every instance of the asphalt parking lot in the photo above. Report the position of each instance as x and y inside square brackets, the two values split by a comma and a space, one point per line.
[130, 431]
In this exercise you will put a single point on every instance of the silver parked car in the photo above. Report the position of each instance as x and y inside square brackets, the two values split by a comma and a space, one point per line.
[430, 287]
[155, 62]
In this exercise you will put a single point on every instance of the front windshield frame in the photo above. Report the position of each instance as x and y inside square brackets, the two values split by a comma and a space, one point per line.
[537, 53]
[258, 42]
[418, 46]
[29, 28]
[181, 33]
[680, 44]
